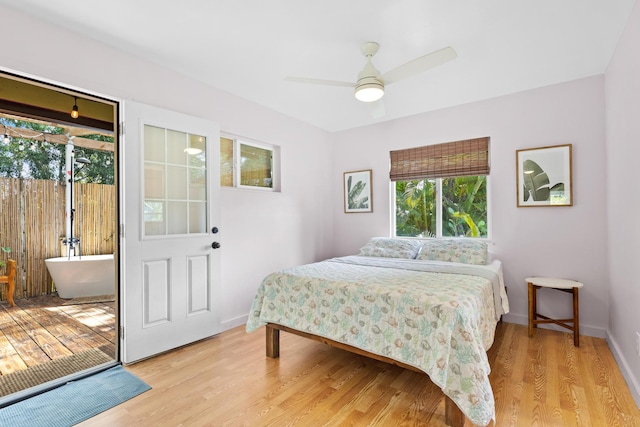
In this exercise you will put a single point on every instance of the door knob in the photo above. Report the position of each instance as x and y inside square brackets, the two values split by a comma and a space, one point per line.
[214, 230]
[215, 245]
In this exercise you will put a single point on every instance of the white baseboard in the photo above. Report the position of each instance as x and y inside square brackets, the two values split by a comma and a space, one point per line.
[232, 323]
[632, 381]
[587, 330]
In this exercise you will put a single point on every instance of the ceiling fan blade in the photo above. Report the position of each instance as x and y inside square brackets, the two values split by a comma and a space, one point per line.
[419, 65]
[318, 81]
[376, 108]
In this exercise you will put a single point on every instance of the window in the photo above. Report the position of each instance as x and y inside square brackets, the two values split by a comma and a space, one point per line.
[441, 190]
[175, 199]
[248, 164]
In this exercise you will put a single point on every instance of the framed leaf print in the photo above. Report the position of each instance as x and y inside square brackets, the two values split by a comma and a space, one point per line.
[357, 191]
[543, 176]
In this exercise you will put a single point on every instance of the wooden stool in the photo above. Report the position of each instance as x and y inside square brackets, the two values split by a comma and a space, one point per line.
[10, 280]
[564, 285]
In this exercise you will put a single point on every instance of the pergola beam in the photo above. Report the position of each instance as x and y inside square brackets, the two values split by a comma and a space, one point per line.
[78, 141]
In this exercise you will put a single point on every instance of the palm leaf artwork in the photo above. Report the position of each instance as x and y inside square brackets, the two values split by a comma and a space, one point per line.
[536, 183]
[355, 199]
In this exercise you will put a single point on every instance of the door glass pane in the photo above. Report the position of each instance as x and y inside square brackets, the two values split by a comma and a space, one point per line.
[175, 184]
[176, 144]
[154, 144]
[176, 215]
[154, 184]
[197, 217]
[154, 218]
[197, 184]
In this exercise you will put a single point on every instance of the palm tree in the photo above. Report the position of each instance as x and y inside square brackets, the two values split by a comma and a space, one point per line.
[415, 207]
[465, 210]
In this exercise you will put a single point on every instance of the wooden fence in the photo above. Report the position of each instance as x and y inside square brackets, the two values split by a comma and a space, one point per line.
[32, 224]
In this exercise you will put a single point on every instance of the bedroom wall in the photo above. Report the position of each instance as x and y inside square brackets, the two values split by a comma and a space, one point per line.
[623, 200]
[565, 242]
[263, 230]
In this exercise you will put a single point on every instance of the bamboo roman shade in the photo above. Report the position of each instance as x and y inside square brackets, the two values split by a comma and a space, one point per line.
[469, 157]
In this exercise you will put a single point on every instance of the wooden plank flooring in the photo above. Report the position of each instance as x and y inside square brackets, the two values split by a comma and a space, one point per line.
[37, 330]
[227, 381]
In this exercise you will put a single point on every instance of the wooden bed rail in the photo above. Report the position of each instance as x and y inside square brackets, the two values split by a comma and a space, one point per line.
[453, 415]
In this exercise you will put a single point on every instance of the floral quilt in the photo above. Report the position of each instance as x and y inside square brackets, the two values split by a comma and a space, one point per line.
[440, 322]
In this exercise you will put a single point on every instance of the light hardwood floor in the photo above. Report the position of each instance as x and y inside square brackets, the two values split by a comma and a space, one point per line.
[227, 381]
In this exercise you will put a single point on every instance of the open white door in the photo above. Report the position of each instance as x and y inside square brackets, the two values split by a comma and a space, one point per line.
[170, 260]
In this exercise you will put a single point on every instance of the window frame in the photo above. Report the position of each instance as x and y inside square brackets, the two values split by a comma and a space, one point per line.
[439, 216]
[237, 163]
[448, 160]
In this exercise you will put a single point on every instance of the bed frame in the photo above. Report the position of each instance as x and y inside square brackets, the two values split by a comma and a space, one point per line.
[453, 415]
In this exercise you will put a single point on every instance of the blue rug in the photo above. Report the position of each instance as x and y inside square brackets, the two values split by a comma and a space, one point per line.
[75, 401]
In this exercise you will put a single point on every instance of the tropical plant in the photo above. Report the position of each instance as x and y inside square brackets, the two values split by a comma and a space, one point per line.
[415, 207]
[464, 207]
[27, 158]
[5, 250]
[354, 198]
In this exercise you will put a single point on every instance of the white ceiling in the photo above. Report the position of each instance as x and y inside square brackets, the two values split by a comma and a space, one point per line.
[247, 47]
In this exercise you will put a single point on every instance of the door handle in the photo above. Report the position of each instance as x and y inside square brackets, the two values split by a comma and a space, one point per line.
[215, 245]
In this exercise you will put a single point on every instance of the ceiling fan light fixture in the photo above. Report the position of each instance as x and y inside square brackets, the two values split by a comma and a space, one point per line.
[369, 90]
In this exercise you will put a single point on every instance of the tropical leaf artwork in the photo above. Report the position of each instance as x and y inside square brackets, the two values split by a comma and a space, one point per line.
[536, 183]
[355, 198]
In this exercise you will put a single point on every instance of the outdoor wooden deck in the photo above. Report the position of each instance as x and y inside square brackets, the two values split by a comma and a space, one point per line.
[41, 329]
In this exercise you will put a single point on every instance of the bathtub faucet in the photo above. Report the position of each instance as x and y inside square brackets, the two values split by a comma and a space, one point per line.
[72, 243]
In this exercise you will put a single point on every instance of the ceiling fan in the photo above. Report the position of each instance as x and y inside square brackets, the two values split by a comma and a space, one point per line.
[369, 87]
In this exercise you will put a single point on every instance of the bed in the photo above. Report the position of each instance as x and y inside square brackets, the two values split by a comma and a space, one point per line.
[430, 305]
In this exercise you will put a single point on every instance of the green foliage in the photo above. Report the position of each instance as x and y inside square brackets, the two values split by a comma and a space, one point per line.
[415, 208]
[29, 159]
[464, 203]
[6, 250]
[100, 171]
[464, 207]
[24, 158]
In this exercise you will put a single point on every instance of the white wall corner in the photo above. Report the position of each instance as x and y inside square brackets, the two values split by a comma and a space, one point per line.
[632, 381]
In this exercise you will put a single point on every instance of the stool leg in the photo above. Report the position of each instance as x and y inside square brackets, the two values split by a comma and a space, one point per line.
[576, 319]
[532, 297]
[535, 305]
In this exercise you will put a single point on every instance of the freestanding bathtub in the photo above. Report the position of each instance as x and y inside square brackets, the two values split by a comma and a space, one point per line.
[85, 276]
